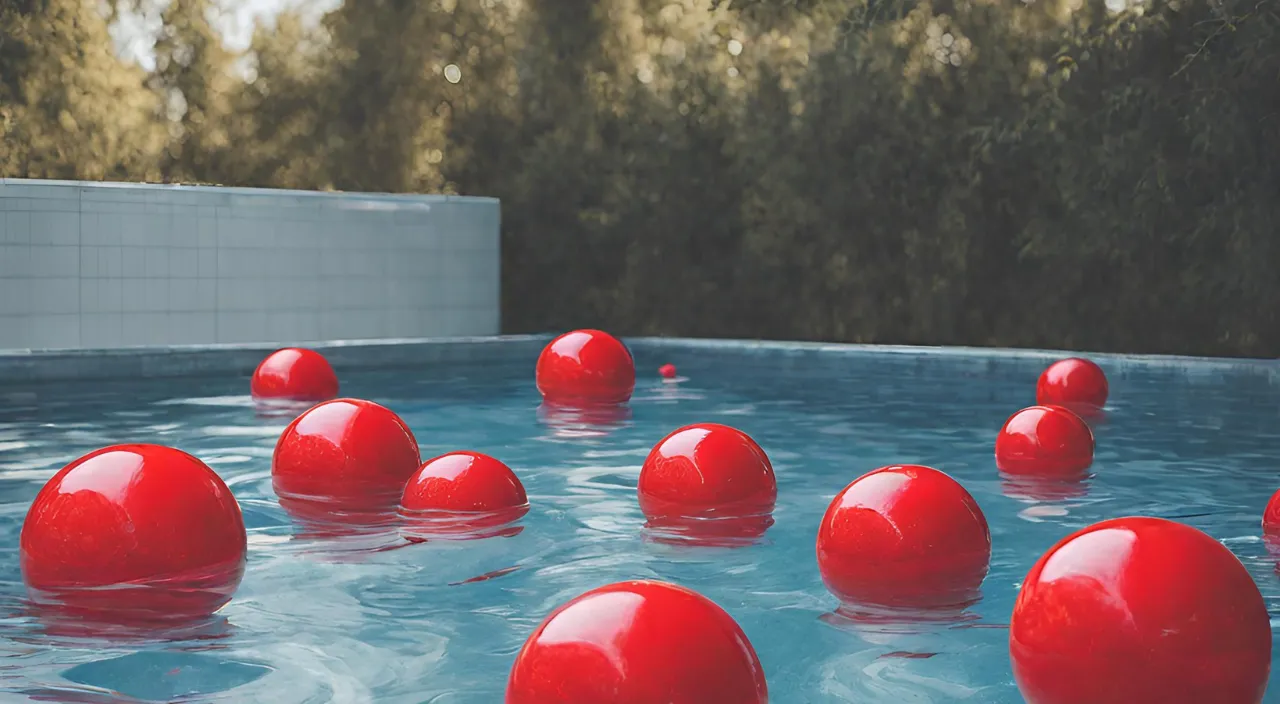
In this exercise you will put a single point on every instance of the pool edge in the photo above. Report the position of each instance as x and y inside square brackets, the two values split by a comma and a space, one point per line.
[32, 366]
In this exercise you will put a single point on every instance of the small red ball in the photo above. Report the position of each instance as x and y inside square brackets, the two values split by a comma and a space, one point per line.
[707, 469]
[904, 536]
[1271, 524]
[347, 453]
[461, 493]
[1044, 440]
[295, 374]
[1072, 382]
[586, 366]
[134, 531]
[667, 371]
[1140, 610]
[638, 642]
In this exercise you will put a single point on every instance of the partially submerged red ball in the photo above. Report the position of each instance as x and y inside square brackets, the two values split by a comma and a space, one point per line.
[134, 531]
[294, 374]
[461, 494]
[904, 536]
[667, 371]
[1271, 524]
[1136, 610]
[348, 454]
[707, 469]
[638, 642]
[708, 481]
[586, 366]
[1073, 382]
[1045, 440]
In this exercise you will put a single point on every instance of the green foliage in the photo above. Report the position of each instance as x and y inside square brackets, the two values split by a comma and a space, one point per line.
[68, 107]
[991, 172]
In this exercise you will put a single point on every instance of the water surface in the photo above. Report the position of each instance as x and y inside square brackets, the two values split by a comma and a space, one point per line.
[320, 620]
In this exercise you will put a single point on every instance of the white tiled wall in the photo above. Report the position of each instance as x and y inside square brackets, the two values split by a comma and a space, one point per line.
[93, 265]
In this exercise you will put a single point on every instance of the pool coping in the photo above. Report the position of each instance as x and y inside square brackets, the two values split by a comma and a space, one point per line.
[35, 366]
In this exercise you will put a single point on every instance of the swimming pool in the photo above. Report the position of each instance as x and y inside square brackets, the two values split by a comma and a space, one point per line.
[325, 619]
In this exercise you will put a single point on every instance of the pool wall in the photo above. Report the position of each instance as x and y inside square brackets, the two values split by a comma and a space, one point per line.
[762, 359]
[106, 265]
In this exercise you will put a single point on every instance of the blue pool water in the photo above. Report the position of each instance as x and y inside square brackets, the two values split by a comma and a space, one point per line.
[337, 621]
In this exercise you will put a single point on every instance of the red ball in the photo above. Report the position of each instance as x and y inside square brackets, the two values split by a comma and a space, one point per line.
[463, 494]
[586, 366]
[707, 469]
[667, 371]
[1044, 440]
[1136, 610]
[345, 453]
[134, 531]
[904, 536]
[638, 642]
[1072, 382]
[1271, 523]
[296, 374]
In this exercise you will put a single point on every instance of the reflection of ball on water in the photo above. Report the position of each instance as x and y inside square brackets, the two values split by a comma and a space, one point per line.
[346, 453]
[638, 642]
[1044, 441]
[1136, 610]
[294, 374]
[1072, 382]
[904, 536]
[586, 366]
[134, 531]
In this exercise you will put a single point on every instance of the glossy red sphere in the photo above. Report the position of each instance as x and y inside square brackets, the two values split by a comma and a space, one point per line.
[295, 374]
[1044, 440]
[586, 366]
[638, 643]
[707, 469]
[1072, 382]
[140, 530]
[667, 371]
[1271, 524]
[1140, 611]
[347, 454]
[462, 494]
[904, 536]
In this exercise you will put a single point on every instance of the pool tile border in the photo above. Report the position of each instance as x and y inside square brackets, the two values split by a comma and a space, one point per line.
[34, 366]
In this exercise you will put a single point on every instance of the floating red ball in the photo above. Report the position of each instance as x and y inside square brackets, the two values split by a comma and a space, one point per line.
[1044, 440]
[134, 531]
[1072, 382]
[294, 374]
[461, 494]
[1271, 524]
[638, 642]
[707, 469]
[586, 366]
[346, 454]
[1138, 610]
[904, 536]
[667, 371]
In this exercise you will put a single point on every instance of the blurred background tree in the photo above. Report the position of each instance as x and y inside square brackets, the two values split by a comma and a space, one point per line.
[1097, 174]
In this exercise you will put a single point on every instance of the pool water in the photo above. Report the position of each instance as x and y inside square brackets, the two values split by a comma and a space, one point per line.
[347, 620]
